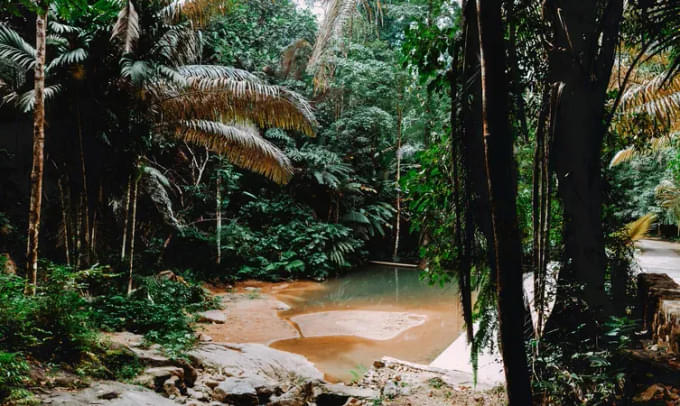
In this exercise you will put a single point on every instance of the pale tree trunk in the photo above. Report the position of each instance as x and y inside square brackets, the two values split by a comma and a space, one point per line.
[37, 168]
[397, 226]
[127, 217]
[218, 212]
[132, 234]
[501, 182]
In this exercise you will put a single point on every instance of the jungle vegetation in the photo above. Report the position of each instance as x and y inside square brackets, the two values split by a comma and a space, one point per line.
[230, 139]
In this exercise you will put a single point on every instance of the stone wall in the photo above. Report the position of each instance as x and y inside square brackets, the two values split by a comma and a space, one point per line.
[660, 301]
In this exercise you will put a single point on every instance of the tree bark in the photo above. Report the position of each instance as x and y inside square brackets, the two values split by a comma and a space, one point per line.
[132, 234]
[218, 213]
[127, 217]
[585, 36]
[38, 165]
[502, 185]
[397, 226]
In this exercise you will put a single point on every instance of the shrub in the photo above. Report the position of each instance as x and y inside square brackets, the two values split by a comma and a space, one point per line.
[158, 309]
[13, 372]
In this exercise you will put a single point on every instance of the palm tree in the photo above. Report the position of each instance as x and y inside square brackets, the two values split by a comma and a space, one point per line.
[216, 107]
[213, 106]
[37, 167]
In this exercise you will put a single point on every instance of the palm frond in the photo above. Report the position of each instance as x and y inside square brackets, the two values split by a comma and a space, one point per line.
[230, 100]
[241, 144]
[126, 30]
[71, 57]
[639, 228]
[657, 97]
[336, 15]
[26, 101]
[14, 50]
[198, 12]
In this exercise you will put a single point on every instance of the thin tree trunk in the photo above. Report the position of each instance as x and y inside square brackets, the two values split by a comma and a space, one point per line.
[86, 204]
[218, 212]
[397, 226]
[132, 234]
[38, 165]
[500, 168]
[127, 216]
[64, 220]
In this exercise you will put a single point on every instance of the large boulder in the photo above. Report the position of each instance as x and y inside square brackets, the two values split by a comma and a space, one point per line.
[255, 360]
[107, 393]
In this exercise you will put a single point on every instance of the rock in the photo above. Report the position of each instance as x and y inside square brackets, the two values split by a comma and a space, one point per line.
[298, 395]
[154, 378]
[204, 338]
[390, 390]
[251, 289]
[212, 316]
[211, 383]
[107, 393]
[328, 394]
[239, 391]
[255, 360]
[132, 343]
[378, 364]
[282, 307]
[171, 386]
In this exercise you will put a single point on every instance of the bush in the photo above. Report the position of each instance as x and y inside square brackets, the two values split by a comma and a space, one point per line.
[55, 324]
[13, 372]
[158, 309]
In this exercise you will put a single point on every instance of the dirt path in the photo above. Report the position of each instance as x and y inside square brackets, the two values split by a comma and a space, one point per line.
[656, 256]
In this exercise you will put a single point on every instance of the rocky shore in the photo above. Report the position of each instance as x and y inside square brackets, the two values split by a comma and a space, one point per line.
[254, 374]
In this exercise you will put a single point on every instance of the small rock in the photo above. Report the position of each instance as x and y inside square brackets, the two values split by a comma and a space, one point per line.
[211, 384]
[171, 386]
[154, 378]
[378, 364]
[390, 390]
[251, 289]
[282, 307]
[212, 316]
[204, 338]
[243, 391]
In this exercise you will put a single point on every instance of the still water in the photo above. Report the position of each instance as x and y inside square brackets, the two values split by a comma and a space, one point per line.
[342, 357]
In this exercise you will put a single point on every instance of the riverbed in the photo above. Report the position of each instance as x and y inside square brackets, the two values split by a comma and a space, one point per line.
[344, 324]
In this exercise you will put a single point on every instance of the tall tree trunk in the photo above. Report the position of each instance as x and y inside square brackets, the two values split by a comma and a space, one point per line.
[500, 168]
[132, 233]
[127, 217]
[397, 226]
[64, 220]
[37, 167]
[85, 198]
[218, 214]
[585, 36]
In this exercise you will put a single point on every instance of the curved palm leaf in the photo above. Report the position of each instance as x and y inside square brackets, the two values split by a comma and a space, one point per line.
[14, 50]
[126, 30]
[241, 144]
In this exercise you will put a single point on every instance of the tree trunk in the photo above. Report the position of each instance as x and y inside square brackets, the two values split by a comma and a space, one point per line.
[37, 167]
[500, 169]
[218, 213]
[127, 217]
[585, 36]
[132, 233]
[397, 226]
